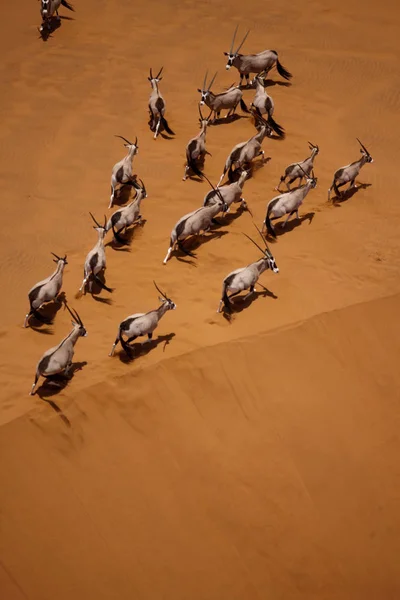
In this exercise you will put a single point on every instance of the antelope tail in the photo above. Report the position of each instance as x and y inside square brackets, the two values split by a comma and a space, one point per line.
[282, 71]
[268, 223]
[67, 5]
[117, 236]
[225, 299]
[100, 283]
[279, 130]
[243, 106]
[166, 126]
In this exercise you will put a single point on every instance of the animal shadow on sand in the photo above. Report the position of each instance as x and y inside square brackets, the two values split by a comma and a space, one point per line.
[142, 348]
[347, 194]
[48, 314]
[195, 242]
[128, 237]
[94, 289]
[227, 120]
[123, 195]
[55, 384]
[52, 25]
[239, 303]
[292, 224]
[200, 165]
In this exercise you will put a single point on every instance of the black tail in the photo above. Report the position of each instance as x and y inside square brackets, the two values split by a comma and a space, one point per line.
[230, 173]
[225, 299]
[279, 130]
[243, 106]
[125, 346]
[101, 284]
[67, 5]
[268, 223]
[119, 239]
[166, 126]
[192, 165]
[282, 71]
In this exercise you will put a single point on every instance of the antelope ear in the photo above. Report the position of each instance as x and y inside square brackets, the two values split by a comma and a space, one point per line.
[226, 53]
[199, 90]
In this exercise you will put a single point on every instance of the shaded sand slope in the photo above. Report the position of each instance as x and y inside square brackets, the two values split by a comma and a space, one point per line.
[265, 468]
[62, 103]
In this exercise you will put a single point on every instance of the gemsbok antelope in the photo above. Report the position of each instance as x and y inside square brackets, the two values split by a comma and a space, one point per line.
[246, 278]
[58, 360]
[128, 215]
[253, 63]
[288, 203]
[47, 10]
[157, 106]
[242, 154]
[140, 324]
[264, 105]
[231, 193]
[46, 290]
[349, 172]
[196, 148]
[95, 260]
[300, 169]
[122, 171]
[193, 223]
[227, 100]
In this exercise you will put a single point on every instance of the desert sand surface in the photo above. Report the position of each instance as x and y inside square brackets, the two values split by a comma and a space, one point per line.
[257, 458]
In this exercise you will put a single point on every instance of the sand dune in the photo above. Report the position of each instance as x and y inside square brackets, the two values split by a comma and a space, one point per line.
[242, 459]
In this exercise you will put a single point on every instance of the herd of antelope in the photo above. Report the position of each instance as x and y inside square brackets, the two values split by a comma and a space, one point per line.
[58, 360]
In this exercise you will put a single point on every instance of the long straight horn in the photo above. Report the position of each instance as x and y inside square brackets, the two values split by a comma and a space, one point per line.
[73, 314]
[205, 80]
[200, 113]
[263, 239]
[305, 174]
[135, 144]
[233, 39]
[312, 145]
[244, 39]
[151, 73]
[216, 190]
[362, 146]
[255, 243]
[55, 256]
[123, 138]
[159, 73]
[212, 81]
[97, 223]
[158, 289]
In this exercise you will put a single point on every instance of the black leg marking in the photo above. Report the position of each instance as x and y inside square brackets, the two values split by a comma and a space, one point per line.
[150, 335]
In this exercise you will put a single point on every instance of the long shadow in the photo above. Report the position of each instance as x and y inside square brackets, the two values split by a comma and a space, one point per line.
[272, 82]
[347, 194]
[128, 237]
[231, 216]
[141, 349]
[292, 224]
[53, 385]
[239, 303]
[200, 162]
[200, 240]
[123, 195]
[227, 120]
[48, 314]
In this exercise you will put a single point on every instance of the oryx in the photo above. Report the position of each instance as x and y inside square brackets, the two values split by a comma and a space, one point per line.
[227, 100]
[245, 278]
[128, 215]
[264, 104]
[50, 7]
[253, 63]
[300, 169]
[140, 324]
[195, 222]
[46, 290]
[242, 154]
[96, 259]
[196, 148]
[288, 203]
[58, 359]
[157, 106]
[122, 171]
[231, 193]
[349, 172]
